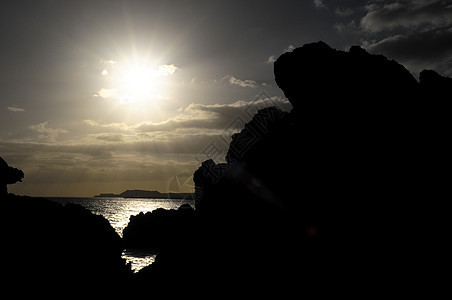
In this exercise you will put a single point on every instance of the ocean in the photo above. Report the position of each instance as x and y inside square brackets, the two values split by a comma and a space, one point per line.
[118, 211]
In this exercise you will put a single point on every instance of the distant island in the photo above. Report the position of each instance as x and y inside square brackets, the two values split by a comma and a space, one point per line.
[148, 194]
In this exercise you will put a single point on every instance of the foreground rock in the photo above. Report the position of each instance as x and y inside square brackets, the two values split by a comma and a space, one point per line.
[48, 247]
[160, 228]
[326, 197]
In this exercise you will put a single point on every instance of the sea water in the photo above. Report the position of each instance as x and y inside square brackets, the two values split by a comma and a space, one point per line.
[118, 211]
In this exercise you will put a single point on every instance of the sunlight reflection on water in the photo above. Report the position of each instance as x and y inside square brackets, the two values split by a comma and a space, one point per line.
[138, 259]
[118, 211]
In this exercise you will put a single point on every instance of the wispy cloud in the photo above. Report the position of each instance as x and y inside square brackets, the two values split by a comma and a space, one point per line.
[416, 33]
[92, 169]
[115, 125]
[344, 12]
[271, 59]
[319, 4]
[15, 109]
[242, 83]
[46, 133]
[106, 93]
[290, 48]
[166, 70]
[113, 137]
[407, 14]
[197, 118]
[121, 153]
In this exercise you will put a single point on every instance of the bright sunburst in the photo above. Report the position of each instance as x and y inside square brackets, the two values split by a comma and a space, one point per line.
[135, 81]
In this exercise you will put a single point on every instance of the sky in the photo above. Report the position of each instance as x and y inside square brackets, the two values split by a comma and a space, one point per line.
[104, 96]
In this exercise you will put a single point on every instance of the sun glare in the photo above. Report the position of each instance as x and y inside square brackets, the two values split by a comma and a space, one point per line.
[136, 81]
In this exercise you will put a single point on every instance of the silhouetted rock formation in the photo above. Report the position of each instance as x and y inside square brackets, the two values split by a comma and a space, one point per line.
[159, 229]
[337, 194]
[317, 74]
[432, 81]
[48, 247]
[328, 194]
[8, 175]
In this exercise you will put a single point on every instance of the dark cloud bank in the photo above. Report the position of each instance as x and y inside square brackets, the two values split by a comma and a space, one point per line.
[340, 194]
[416, 33]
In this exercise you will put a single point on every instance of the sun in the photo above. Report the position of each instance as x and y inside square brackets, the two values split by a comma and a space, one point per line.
[136, 81]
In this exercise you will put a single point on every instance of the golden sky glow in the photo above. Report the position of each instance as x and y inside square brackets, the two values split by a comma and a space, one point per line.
[101, 96]
[135, 80]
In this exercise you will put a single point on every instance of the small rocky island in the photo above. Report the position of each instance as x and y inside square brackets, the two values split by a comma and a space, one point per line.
[148, 194]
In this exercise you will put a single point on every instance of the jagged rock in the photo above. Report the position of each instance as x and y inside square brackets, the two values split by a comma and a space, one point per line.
[330, 187]
[160, 228]
[8, 175]
[433, 83]
[317, 74]
[327, 197]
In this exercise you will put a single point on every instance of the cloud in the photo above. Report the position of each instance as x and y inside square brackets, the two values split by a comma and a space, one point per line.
[46, 133]
[130, 80]
[174, 124]
[407, 14]
[418, 33]
[195, 125]
[15, 109]
[109, 62]
[289, 49]
[271, 59]
[430, 49]
[344, 12]
[425, 45]
[215, 117]
[345, 27]
[165, 70]
[106, 93]
[115, 125]
[107, 66]
[122, 154]
[242, 83]
[319, 4]
[74, 169]
[117, 138]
